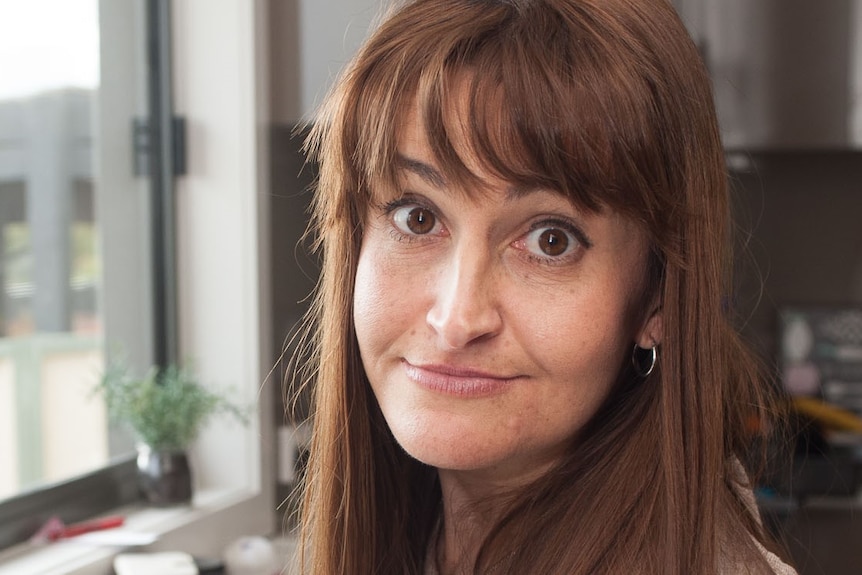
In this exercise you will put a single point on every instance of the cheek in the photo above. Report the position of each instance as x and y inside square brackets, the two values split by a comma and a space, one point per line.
[381, 301]
[582, 340]
[368, 307]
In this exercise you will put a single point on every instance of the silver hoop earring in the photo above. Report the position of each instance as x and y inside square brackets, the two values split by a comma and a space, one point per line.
[644, 366]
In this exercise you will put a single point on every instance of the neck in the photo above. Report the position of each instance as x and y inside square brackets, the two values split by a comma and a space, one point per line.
[457, 547]
[469, 513]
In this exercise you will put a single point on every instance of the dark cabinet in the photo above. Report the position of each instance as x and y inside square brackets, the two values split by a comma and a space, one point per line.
[787, 74]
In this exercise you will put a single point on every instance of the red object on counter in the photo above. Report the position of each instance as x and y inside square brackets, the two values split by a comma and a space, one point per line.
[94, 525]
[55, 529]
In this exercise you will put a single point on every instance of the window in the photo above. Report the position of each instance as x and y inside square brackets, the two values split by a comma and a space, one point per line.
[222, 302]
[74, 249]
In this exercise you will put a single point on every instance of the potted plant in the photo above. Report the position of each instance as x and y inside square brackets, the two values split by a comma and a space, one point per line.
[166, 409]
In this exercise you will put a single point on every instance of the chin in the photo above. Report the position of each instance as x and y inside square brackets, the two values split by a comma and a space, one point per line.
[448, 446]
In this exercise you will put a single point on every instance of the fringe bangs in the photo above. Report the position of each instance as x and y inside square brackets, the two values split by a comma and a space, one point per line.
[549, 106]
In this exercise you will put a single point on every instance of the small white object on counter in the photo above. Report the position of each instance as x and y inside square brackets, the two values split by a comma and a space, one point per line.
[251, 556]
[164, 563]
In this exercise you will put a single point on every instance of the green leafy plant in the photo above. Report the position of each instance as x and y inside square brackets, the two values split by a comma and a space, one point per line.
[166, 408]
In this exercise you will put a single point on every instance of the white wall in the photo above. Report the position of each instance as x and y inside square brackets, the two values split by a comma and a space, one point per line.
[221, 90]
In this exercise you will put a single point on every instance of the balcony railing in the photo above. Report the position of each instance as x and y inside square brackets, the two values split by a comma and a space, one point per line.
[51, 425]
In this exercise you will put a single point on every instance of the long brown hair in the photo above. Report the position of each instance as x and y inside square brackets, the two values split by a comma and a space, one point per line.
[606, 101]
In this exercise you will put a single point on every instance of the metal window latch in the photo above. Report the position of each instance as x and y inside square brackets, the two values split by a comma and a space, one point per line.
[142, 149]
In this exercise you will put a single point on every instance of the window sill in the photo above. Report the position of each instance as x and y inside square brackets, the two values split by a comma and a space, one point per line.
[203, 529]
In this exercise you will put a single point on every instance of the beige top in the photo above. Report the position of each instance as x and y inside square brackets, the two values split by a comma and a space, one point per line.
[778, 566]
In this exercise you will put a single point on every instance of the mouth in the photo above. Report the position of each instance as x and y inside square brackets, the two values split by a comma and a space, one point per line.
[457, 380]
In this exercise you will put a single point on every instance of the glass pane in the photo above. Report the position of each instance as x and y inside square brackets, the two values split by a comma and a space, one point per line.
[73, 227]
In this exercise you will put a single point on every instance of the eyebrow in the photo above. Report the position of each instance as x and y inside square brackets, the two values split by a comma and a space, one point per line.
[425, 171]
[434, 177]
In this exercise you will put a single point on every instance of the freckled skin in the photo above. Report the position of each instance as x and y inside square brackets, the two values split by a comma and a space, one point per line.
[475, 294]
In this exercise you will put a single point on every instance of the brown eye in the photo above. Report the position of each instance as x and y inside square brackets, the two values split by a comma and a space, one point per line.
[415, 220]
[553, 242]
[420, 221]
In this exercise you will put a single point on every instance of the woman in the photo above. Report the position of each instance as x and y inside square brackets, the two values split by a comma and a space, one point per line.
[522, 360]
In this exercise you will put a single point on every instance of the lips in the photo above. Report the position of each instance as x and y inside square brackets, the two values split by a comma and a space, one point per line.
[457, 380]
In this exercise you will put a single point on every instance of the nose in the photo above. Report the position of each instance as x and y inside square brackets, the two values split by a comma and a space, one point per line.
[465, 307]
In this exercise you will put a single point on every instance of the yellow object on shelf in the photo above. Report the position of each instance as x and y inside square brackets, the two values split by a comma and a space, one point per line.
[828, 414]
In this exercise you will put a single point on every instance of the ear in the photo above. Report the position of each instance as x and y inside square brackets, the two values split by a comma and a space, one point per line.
[650, 333]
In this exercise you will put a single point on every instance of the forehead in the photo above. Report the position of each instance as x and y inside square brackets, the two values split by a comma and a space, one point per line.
[447, 151]
[416, 152]
[462, 166]
[455, 126]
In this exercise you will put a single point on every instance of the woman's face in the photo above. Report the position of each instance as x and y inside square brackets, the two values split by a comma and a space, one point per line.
[493, 323]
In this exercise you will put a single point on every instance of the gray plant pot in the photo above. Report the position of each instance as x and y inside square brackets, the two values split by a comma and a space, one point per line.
[164, 477]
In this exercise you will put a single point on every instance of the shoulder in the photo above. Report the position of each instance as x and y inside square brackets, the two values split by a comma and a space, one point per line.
[778, 566]
[743, 490]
